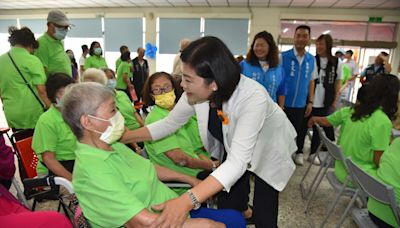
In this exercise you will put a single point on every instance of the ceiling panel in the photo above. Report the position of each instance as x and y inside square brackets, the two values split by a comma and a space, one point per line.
[358, 4]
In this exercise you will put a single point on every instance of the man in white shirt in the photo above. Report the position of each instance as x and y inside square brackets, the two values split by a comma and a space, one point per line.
[85, 52]
[327, 87]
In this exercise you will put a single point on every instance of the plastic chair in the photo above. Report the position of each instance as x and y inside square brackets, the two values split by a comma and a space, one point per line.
[79, 219]
[375, 189]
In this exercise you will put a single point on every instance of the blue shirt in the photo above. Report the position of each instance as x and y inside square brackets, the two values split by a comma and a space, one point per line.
[297, 78]
[273, 79]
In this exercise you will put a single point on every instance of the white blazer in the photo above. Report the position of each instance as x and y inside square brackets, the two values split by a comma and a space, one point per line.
[258, 137]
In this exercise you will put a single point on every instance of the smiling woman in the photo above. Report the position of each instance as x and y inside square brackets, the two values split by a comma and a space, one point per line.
[212, 81]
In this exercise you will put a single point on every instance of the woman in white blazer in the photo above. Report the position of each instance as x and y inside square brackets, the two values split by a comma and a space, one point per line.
[234, 114]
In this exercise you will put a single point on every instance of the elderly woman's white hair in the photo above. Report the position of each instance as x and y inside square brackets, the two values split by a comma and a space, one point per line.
[94, 75]
[83, 99]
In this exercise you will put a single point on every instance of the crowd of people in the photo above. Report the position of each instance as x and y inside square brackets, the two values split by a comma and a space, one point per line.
[214, 122]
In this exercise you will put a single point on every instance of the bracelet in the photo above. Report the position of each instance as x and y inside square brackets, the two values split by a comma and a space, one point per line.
[193, 198]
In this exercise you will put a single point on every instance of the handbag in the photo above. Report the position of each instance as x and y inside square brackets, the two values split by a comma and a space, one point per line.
[26, 83]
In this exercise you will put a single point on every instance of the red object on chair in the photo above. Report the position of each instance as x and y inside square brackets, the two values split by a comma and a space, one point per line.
[27, 156]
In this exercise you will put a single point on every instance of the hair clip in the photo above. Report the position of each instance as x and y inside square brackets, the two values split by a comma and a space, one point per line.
[223, 117]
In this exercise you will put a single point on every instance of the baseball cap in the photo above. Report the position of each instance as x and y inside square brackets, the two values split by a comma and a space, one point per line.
[59, 18]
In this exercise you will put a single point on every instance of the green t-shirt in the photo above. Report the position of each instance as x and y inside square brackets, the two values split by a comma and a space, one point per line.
[52, 54]
[123, 68]
[346, 73]
[180, 139]
[117, 63]
[114, 186]
[53, 134]
[124, 105]
[359, 139]
[192, 129]
[94, 61]
[389, 173]
[21, 108]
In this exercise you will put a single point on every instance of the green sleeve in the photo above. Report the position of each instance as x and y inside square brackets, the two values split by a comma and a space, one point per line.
[126, 69]
[88, 63]
[380, 133]
[117, 203]
[37, 72]
[339, 117]
[45, 137]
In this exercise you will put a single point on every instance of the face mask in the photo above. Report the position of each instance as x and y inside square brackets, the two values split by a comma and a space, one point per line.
[166, 100]
[111, 83]
[97, 51]
[71, 56]
[60, 33]
[58, 103]
[114, 132]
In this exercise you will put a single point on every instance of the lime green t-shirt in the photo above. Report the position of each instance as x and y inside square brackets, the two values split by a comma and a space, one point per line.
[180, 139]
[117, 63]
[53, 134]
[52, 54]
[359, 139]
[346, 74]
[123, 68]
[114, 186]
[94, 61]
[124, 105]
[192, 129]
[389, 173]
[21, 108]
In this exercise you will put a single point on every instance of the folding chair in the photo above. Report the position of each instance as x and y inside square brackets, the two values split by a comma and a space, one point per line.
[342, 188]
[374, 189]
[326, 162]
[78, 219]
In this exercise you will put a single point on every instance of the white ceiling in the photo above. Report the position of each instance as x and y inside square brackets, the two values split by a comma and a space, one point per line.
[352, 4]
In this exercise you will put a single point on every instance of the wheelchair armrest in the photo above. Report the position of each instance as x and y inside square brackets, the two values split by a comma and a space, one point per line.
[174, 184]
[39, 182]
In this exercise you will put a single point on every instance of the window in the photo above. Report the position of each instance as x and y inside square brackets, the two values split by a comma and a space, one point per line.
[381, 32]
[4, 24]
[37, 26]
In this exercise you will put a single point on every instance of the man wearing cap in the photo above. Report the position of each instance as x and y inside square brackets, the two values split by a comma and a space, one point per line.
[51, 46]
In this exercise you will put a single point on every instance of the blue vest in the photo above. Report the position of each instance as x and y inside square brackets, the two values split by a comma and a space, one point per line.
[297, 78]
[272, 80]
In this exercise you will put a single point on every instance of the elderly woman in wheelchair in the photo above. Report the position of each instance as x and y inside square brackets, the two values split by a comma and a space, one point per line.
[115, 186]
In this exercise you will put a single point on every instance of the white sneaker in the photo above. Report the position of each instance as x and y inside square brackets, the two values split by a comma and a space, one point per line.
[299, 159]
[314, 159]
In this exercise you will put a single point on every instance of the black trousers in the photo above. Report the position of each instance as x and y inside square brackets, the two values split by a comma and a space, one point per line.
[328, 130]
[265, 201]
[299, 122]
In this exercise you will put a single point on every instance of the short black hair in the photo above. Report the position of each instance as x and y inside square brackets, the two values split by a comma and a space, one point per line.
[306, 27]
[122, 48]
[384, 53]
[84, 48]
[211, 59]
[91, 50]
[23, 36]
[55, 82]
[350, 52]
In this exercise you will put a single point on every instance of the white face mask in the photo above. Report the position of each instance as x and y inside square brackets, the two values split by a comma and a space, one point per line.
[60, 33]
[114, 132]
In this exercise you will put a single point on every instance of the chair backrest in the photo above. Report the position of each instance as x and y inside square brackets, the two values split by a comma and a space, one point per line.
[27, 156]
[333, 149]
[374, 188]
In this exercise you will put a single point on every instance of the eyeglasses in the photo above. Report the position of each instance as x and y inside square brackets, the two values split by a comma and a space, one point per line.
[161, 90]
[62, 27]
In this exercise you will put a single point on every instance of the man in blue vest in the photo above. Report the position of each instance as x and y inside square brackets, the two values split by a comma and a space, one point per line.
[299, 66]
[381, 65]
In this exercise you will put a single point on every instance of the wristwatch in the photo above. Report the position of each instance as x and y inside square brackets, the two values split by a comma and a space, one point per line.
[195, 202]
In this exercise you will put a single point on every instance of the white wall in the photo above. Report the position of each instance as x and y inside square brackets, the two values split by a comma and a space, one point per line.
[261, 18]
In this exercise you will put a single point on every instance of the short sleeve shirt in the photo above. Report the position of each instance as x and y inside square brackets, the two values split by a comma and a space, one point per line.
[180, 139]
[95, 62]
[389, 173]
[124, 68]
[117, 63]
[52, 54]
[124, 105]
[114, 186]
[54, 135]
[21, 108]
[359, 139]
